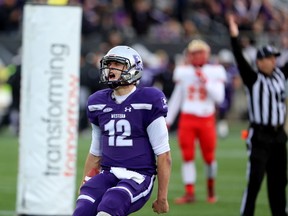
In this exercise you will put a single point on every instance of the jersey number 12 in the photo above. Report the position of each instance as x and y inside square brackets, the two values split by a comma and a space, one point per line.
[121, 126]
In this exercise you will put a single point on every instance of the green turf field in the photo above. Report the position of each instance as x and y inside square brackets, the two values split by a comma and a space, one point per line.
[231, 155]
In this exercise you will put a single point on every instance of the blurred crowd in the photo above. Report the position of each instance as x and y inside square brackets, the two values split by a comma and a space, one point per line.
[107, 23]
[165, 20]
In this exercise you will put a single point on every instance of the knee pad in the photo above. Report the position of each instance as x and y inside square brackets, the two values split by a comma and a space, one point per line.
[84, 208]
[115, 201]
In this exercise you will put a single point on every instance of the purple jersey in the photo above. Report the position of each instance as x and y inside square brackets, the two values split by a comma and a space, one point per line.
[124, 138]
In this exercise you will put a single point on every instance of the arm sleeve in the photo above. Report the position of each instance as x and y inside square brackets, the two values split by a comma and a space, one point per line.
[284, 69]
[216, 91]
[216, 86]
[95, 147]
[158, 136]
[249, 76]
[174, 104]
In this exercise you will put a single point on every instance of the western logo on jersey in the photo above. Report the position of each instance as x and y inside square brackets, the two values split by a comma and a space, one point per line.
[113, 116]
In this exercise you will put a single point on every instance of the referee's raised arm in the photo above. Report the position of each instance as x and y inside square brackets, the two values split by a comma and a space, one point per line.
[284, 69]
[247, 73]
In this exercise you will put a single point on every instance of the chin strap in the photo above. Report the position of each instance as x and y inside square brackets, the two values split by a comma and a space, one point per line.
[113, 85]
[116, 84]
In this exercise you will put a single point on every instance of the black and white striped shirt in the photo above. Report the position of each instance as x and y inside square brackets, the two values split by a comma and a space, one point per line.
[265, 94]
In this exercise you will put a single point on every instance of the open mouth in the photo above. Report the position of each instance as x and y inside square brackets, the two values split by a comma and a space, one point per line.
[111, 76]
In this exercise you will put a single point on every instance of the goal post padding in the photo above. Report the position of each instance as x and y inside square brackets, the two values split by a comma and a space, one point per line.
[49, 110]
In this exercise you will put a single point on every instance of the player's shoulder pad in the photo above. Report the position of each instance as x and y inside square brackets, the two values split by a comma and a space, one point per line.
[151, 92]
[99, 96]
[155, 96]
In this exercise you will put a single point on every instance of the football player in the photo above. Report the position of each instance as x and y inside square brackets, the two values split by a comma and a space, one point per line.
[199, 86]
[129, 141]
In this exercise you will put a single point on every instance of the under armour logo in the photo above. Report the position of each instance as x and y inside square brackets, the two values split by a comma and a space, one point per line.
[127, 109]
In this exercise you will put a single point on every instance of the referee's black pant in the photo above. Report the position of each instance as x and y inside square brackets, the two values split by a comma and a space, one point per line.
[267, 155]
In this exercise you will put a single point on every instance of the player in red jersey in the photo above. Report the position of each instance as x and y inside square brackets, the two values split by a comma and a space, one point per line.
[199, 87]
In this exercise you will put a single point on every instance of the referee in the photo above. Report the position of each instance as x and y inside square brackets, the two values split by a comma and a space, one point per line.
[266, 141]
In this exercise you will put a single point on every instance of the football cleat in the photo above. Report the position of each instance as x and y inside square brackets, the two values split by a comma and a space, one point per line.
[187, 198]
[212, 199]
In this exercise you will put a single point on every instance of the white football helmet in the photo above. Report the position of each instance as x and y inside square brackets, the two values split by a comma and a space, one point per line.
[197, 45]
[126, 56]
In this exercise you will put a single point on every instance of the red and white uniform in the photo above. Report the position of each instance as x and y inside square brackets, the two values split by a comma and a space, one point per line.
[197, 91]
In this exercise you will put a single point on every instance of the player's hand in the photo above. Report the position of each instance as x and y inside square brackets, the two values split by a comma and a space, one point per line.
[160, 206]
[233, 26]
[89, 175]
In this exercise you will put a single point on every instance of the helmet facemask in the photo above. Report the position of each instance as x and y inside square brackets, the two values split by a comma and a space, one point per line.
[131, 71]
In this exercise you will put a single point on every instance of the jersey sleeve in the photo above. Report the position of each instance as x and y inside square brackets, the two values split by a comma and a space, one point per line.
[95, 104]
[216, 86]
[159, 105]
[91, 112]
[222, 74]
[174, 104]
[284, 69]
[248, 75]
[177, 74]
